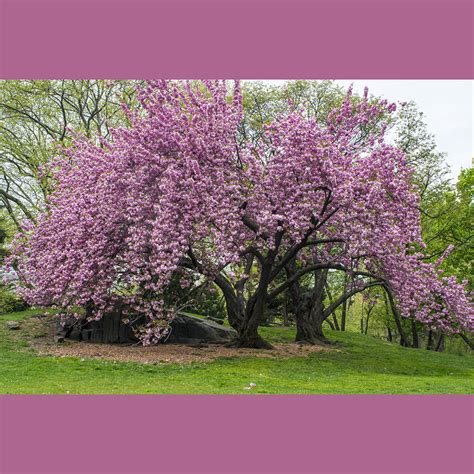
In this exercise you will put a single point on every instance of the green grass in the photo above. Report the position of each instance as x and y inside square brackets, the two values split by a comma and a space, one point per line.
[358, 364]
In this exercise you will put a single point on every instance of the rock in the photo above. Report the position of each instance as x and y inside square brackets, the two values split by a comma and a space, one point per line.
[86, 335]
[75, 334]
[215, 320]
[185, 328]
[12, 325]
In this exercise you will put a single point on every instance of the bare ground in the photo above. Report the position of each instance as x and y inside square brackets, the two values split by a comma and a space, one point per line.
[39, 332]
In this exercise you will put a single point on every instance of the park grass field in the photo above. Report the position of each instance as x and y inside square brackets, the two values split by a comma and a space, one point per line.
[356, 364]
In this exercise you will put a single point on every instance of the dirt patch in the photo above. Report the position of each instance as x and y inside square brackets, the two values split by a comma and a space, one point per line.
[39, 332]
[177, 353]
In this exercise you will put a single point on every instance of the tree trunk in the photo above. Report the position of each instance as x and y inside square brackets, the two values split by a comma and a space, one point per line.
[308, 308]
[235, 308]
[467, 341]
[343, 316]
[429, 344]
[245, 317]
[369, 312]
[110, 328]
[414, 332]
[248, 332]
[403, 339]
[248, 329]
[309, 330]
[331, 325]
[441, 343]
[286, 319]
[335, 324]
[310, 313]
[366, 330]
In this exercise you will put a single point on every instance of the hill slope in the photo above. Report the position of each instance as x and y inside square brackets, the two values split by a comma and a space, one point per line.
[356, 364]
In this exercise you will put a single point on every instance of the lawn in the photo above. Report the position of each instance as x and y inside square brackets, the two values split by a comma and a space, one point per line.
[356, 364]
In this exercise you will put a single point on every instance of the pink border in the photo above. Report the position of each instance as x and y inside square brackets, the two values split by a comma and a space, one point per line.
[234, 434]
[246, 39]
[237, 38]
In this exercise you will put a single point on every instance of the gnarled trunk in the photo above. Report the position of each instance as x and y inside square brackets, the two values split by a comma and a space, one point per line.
[235, 308]
[254, 310]
[244, 317]
[309, 328]
[248, 329]
[310, 311]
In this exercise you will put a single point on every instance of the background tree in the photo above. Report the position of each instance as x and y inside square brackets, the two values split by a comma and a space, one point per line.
[37, 118]
[446, 211]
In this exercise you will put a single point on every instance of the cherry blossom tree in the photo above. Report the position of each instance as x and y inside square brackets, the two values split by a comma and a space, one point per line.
[177, 193]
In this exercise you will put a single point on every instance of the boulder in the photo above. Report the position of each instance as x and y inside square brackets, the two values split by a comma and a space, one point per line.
[185, 329]
[216, 320]
[12, 325]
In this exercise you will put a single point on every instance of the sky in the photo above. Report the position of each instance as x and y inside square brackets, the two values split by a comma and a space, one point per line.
[448, 106]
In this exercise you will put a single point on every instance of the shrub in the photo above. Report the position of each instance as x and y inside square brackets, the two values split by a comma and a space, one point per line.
[10, 302]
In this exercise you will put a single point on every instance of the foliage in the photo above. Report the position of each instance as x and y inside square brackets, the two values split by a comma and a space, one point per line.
[453, 226]
[210, 302]
[264, 103]
[446, 210]
[37, 119]
[9, 301]
[414, 140]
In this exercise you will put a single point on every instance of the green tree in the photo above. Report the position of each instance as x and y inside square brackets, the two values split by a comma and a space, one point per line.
[454, 226]
[36, 117]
